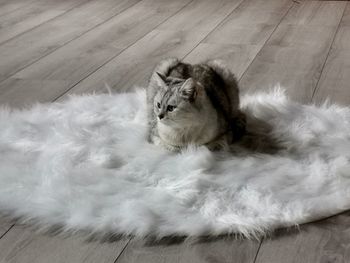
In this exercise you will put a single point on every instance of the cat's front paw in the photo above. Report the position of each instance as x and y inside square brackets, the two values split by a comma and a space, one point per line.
[156, 140]
[159, 142]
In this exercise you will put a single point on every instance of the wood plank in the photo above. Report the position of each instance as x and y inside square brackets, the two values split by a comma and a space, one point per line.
[23, 245]
[314, 13]
[334, 82]
[25, 49]
[346, 17]
[335, 78]
[36, 13]
[252, 23]
[220, 250]
[324, 241]
[239, 38]
[236, 57]
[295, 53]
[7, 6]
[57, 72]
[173, 38]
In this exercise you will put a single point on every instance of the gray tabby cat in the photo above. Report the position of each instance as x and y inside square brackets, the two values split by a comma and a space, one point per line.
[193, 104]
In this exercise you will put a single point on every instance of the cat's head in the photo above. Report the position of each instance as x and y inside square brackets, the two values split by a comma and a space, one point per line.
[177, 101]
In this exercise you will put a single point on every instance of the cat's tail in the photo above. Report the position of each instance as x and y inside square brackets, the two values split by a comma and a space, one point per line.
[164, 66]
[229, 79]
[238, 126]
[238, 118]
[223, 70]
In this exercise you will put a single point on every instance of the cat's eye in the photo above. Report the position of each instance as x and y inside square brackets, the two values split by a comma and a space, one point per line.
[170, 108]
[158, 105]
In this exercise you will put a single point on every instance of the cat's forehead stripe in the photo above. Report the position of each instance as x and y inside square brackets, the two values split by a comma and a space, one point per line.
[166, 96]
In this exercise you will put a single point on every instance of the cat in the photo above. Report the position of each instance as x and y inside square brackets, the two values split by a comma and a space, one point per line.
[193, 104]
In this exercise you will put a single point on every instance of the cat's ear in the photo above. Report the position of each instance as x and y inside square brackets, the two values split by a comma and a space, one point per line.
[161, 79]
[189, 90]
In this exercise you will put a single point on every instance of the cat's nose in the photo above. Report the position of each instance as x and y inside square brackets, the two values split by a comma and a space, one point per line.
[161, 116]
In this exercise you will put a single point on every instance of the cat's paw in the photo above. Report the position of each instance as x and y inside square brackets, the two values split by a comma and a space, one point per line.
[159, 142]
[156, 140]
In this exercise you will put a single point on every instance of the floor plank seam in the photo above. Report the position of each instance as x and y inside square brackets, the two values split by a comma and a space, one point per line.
[217, 26]
[120, 52]
[47, 21]
[16, 9]
[273, 31]
[258, 250]
[121, 252]
[69, 41]
[1, 236]
[329, 51]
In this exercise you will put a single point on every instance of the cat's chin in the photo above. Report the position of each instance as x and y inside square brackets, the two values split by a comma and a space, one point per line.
[165, 121]
[161, 121]
[172, 124]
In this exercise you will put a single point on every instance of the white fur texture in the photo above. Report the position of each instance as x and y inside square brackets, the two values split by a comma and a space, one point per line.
[85, 164]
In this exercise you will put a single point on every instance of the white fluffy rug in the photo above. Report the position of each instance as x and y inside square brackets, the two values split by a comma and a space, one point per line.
[85, 164]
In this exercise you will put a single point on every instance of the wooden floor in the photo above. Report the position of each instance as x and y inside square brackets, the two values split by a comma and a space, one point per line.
[52, 48]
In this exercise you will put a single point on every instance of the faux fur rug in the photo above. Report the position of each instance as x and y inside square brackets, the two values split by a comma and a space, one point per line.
[85, 164]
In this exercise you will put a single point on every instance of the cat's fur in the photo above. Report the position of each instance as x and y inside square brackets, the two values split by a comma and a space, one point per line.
[193, 104]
